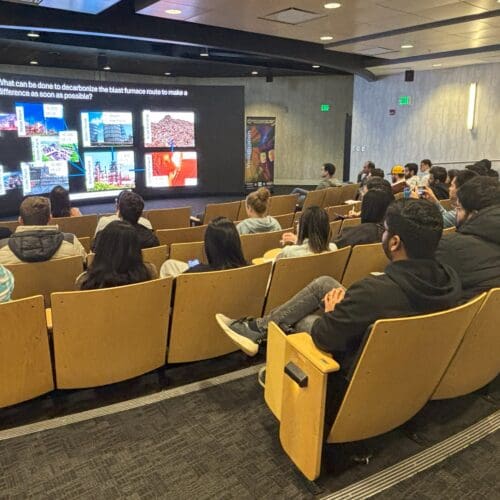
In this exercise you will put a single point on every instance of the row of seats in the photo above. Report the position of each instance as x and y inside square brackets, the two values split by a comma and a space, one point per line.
[403, 364]
[127, 329]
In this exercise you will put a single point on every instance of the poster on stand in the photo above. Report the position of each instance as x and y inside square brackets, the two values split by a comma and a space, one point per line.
[259, 152]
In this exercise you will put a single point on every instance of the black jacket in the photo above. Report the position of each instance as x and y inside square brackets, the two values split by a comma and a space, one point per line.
[37, 245]
[368, 232]
[474, 252]
[440, 189]
[408, 288]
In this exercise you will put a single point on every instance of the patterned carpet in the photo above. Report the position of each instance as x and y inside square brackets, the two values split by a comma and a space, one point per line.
[222, 443]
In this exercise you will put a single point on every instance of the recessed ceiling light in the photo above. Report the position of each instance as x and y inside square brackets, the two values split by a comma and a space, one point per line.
[34, 62]
[326, 38]
[332, 5]
[32, 34]
[437, 65]
[173, 12]
[255, 72]
[204, 53]
[407, 46]
[167, 73]
[316, 66]
[107, 67]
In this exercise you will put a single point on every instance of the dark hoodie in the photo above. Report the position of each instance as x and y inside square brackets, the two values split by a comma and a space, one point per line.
[408, 288]
[474, 252]
[37, 245]
[440, 189]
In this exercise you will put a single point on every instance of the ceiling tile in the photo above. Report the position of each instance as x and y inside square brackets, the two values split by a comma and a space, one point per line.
[450, 11]
[406, 6]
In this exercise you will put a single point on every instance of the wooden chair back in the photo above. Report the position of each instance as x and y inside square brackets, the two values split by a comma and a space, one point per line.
[399, 196]
[335, 229]
[168, 218]
[242, 211]
[314, 198]
[188, 251]
[400, 366]
[257, 244]
[86, 242]
[10, 224]
[285, 220]
[477, 360]
[355, 221]
[342, 210]
[229, 210]
[44, 278]
[195, 334]
[283, 204]
[365, 259]
[332, 196]
[181, 235]
[449, 230]
[293, 274]
[446, 204]
[25, 366]
[349, 192]
[155, 255]
[124, 333]
[83, 225]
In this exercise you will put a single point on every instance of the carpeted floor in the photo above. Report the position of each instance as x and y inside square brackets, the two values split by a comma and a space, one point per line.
[222, 442]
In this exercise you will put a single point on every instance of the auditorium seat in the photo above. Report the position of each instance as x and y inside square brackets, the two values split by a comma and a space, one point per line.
[282, 204]
[168, 218]
[285, 220]
[449, 230]
[242, 211]
[293, 274]
[314, 198]
[25, 366]
[257, 244]
[349, 192]
[123, 334]
[364, 259]
[44, 278]
[86, 242]
[155, 255]
[446, 204]
[477, 360]
[335, 229]
[195, 335]
[181, 235]
[188, 251]
[399, 366]
[351, 222]
[333, 196]
[229, 210]
[338, 210]
[83, 225]
[10, 224]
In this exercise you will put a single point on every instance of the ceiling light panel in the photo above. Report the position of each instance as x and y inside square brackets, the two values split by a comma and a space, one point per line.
[85, 6]
[178, 11]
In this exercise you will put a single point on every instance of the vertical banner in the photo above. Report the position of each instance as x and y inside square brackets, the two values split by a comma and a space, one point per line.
[259, 155]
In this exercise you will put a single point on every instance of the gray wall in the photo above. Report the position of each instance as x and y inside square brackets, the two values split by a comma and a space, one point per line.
[434, 126]
[305, 137]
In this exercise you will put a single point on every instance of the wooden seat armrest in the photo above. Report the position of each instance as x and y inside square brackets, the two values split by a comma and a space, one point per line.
[48, 318]
[303, 343]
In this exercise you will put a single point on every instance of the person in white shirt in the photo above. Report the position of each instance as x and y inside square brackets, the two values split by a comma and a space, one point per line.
[411, 175]
[425, 166]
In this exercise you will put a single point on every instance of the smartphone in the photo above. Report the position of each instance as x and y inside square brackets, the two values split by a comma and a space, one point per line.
[192, 263]
[421, 192]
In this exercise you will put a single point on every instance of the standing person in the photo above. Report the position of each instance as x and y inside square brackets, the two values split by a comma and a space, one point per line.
[437, 182]
[412, 179]
[60, 203]
[425, 168]
[6, 284]
[117, 261]
[257, 205]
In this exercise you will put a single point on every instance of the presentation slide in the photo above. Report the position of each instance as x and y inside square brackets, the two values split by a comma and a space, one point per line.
[40, 177]
[107, 128]
[61, 147]
[8, 121]
[171, 169]
[39, 119]
[10, 180]
[168, 129]
[109, 170]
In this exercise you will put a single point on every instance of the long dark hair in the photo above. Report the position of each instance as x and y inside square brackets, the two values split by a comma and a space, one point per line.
[223, 245]
[59, 202]
[118, 258]
[314, 225]
[374, 205]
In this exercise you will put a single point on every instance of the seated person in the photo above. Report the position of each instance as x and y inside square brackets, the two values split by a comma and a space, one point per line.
[474, 249]
[398, 179]
[313, 235]
[35, 240]
[222, 248]
[104, 221]
[412, 179]
[459, 179]
[327, 181]
[490, 172]
[377, 172]
[117, 261]
[6, 284]
[425, 170]
[364, 175]
[130, 207]
[373, 208]
[437, 182]
[258, 221]
[60, 203]
[373, 183]
[414, 283]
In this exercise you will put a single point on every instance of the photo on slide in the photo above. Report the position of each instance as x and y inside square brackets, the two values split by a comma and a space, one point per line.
[39, 119]
[171, 169]
[109, 170]
[168, 129]
[10, 180]
[8, 121]
[107, 128]
[61, 147]
[41, 177]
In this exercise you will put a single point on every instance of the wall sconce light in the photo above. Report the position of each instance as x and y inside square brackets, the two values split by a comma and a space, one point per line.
[471, 110]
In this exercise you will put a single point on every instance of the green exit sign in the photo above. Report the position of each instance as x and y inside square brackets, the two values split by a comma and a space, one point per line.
[325, 107]
[404, 100]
